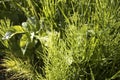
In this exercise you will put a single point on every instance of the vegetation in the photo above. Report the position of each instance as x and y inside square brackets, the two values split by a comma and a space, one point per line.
[60, 39]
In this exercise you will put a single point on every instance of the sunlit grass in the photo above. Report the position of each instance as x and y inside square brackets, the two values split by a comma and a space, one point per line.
[65, 40]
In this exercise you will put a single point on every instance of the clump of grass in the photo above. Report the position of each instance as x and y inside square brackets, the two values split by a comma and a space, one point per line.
[18, 68]
[70, 40]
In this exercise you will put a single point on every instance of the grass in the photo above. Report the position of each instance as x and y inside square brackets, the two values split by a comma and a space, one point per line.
[63, 40]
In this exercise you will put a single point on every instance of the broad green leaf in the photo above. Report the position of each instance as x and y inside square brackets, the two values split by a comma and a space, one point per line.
[27, 42]
[17, 29]
[7, 35]
[24, 43]
[13, 31]
[23, 40]
[24, 49]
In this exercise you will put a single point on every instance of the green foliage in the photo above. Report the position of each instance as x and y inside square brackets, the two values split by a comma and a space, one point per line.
[62, 40]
